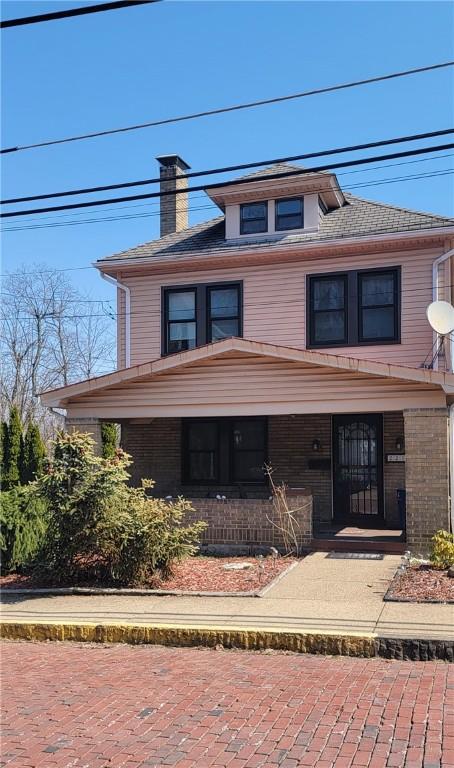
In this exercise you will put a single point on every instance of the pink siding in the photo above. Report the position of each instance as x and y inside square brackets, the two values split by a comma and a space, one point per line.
[274, 304]
[246, 385]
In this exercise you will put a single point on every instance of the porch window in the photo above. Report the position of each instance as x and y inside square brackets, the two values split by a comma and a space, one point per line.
[253, 218]
[354, 308]
[194, 315]
[289, 214]
[224, 451]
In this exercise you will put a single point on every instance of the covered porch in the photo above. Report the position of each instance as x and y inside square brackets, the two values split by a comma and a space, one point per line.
[349, 438]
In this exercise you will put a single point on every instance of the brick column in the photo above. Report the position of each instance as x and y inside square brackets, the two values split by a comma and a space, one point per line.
[426, 475]
[86, 424]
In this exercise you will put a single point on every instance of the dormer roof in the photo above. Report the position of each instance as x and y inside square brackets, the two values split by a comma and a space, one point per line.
[280, 180]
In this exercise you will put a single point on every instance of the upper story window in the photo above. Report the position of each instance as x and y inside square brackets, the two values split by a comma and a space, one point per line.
[289, 214]
[198, 314]
[253, 218]
[352, 308]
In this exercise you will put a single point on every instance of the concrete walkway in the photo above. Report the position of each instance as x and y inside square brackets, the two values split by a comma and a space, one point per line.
[320, 595]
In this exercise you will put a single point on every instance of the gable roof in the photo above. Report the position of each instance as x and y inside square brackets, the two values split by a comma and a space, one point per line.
[225, 347]
[358, 218]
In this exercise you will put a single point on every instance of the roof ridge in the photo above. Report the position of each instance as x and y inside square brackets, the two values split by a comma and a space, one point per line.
[399, 208]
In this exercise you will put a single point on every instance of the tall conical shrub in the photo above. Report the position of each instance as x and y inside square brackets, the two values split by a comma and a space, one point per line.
[33, 454]
[3, 447]
[109, 439]
[13, 449]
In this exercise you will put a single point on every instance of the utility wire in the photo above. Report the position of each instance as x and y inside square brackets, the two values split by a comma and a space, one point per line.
[70, 12]
[109, 312]
[230, 168]
[233, 183]
[53, 224]
[235, 107]
[200, 196]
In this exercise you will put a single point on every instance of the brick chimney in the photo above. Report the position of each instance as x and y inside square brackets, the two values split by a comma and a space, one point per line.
[174, 208]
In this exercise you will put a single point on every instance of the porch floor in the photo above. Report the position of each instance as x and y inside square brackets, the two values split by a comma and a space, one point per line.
[343, 537]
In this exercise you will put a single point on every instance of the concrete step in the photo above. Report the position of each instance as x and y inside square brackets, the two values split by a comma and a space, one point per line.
[345, 544]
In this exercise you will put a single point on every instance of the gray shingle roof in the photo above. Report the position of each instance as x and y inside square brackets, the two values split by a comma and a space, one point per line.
[357, 218]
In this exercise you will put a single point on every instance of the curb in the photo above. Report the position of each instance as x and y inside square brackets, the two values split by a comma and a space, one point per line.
[174, 635]
[317, 642]
[131, 592]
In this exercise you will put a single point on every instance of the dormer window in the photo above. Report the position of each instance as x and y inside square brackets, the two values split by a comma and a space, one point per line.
[289, 214]
[253, 218]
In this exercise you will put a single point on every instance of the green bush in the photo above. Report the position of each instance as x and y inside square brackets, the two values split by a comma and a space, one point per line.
[102, 529]
[23, 521]
[442, 555]
[109, 439]
[33, 454]
[12, 449]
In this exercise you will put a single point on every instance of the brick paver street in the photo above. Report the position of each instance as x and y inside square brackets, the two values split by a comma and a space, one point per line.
[70, 705]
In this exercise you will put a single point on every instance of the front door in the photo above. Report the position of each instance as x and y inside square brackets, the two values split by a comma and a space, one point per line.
[358, 468]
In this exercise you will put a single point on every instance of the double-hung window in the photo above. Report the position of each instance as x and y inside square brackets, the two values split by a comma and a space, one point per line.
[253, 218]
[181, 311]
[353, 308]
[199, 314]
[224, 450]
[289, 214]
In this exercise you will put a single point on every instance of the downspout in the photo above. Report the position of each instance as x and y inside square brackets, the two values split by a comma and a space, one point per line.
[437, 262]
[127, 291]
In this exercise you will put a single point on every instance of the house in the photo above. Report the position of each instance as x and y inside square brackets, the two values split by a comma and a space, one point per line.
[291, 331]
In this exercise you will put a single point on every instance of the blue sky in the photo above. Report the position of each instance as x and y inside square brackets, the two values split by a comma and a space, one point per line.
[144, 63]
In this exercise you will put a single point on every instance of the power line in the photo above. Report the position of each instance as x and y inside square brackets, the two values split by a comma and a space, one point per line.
[200, 196]
[231, 168]
[235, 107]
[108, 312]
[233, 183]
[377, 182]
[70, 12]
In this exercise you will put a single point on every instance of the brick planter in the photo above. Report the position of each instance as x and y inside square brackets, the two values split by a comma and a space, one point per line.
[242, 526]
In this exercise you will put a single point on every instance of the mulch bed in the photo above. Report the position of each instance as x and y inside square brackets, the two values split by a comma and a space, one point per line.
[421, 584]
[195, 574]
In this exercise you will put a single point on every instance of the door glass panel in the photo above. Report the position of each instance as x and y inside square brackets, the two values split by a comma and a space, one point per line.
[202, 436]
[248, 434]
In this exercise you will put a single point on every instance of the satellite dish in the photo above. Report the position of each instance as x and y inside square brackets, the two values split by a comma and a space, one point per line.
[440, 315]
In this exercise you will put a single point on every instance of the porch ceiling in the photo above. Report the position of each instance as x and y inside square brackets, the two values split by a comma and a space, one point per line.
[244, 377]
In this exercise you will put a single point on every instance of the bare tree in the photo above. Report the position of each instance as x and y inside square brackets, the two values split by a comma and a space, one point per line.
[51, 335]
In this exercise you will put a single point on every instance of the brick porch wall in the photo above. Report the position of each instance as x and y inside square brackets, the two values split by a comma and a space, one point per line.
[243, 525]
[427, 477]
[394, 474]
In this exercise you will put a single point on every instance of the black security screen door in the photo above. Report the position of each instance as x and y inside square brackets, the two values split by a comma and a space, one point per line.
[358, 467]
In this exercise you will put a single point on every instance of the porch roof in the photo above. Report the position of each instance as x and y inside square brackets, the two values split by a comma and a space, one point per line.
[308, 374]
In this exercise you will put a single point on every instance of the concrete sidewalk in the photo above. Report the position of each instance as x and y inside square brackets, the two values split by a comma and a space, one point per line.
[319, 596]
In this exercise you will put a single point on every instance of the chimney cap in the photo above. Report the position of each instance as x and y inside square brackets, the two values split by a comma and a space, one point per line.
[167, 161]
